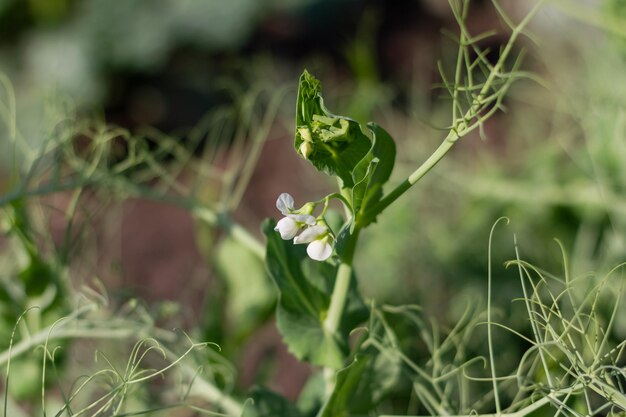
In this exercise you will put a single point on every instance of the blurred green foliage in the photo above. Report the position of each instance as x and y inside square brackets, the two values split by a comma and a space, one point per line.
[71, 47]
[554, 164]
[33, 296]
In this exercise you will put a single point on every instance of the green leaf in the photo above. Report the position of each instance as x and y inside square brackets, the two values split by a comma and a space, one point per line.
[344, 243]
[338, 146]
[333, 144]
[383, 148]
[365, 171]
[334, 220]
[374, 170]
[35, 279]
[250, 292]
[305, 287]
[363, 384]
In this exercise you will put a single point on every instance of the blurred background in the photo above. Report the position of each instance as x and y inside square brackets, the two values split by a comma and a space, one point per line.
[554, 162]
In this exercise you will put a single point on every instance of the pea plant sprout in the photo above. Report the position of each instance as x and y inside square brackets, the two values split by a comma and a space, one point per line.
[360, 352]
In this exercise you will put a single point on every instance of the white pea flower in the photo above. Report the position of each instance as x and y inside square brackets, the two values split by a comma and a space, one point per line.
[290, 225]
[318, 239]
[287, 227]
[285, 203]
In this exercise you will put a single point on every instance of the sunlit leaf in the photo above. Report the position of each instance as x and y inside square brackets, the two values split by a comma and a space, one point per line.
[333, 144]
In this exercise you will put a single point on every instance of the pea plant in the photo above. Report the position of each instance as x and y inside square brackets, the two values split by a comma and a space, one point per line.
[319, 306]
[361, 354]
[319, 303]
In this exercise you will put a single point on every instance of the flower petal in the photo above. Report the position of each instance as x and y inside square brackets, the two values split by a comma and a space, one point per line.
[303, 218]
[310, 234]
[287, 227]
[319, 250]
[285, 203]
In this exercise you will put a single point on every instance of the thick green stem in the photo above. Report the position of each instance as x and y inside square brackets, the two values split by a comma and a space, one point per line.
[335, 312]
[342, 285]
[338, 301]
[338, 298]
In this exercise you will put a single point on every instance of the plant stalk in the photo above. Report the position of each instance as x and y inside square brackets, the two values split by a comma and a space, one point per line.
[461, 126]
[423, 169]
[335, 312]
[338, 298]
[338, 302]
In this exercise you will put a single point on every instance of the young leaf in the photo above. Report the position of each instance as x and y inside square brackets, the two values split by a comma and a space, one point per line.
[383, 148]
[344, 244]
[369, 176]
[374, 170]
[304, 289]
[333, 144]
[363, 174]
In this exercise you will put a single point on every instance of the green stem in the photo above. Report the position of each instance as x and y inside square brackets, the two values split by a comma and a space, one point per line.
[235, 230]
[461, 126]
[423, 169]
[338, 298]
[209, 216]
[200, 211]
[338, 301]
[205, 389]
[27, 345]
[342, 285]
[335, 312]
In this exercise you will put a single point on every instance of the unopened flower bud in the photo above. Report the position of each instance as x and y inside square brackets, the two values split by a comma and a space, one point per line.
[306, 149]
[307, 209]
[305, 134]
